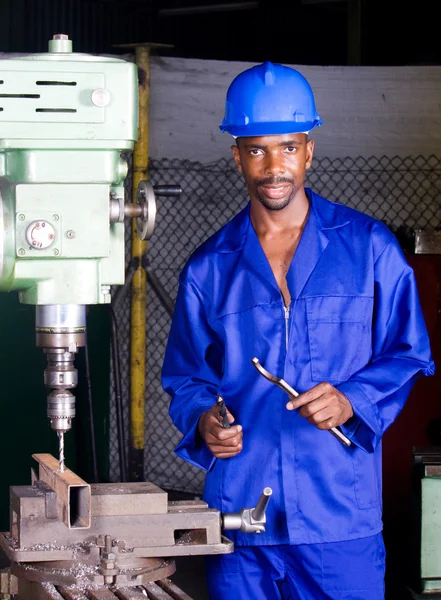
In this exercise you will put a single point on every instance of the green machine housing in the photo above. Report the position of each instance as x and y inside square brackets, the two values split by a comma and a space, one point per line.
[65, 119]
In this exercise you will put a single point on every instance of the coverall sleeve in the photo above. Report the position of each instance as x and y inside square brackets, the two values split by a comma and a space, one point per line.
[400, 352]
[191, 374]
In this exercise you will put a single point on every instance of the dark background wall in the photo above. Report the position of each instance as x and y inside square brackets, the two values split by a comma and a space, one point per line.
[322, 32]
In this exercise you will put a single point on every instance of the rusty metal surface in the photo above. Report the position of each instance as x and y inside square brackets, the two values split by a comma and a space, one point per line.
[73, 493]
[27, 590]
[72, 593]
[155, 592]
[161, 590]
[173, 590]
[101, 594]
[8, 583]
[127, 571]
[134, 498]
[432, 470]
[427, 242]
[131, 593]
[167, 534]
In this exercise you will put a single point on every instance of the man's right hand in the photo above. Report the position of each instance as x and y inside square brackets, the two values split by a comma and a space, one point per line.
[223, 443]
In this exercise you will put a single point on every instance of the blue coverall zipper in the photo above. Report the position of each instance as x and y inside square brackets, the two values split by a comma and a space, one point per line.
[286, 311]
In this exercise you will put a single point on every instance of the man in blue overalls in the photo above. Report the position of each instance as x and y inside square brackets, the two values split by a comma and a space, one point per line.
[322, 295]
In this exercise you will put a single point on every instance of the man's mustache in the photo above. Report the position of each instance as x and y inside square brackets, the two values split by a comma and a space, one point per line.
[275, 181]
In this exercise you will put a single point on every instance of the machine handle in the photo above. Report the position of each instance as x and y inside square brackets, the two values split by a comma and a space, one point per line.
[167, 190]
[249, 520]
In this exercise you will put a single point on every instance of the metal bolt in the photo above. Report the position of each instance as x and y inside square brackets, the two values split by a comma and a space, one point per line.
[31, 517]
[71, 234]
[56, 252]
[21, 217]
[56, 217]
[21, 251]
[60, 36]
[51, 236]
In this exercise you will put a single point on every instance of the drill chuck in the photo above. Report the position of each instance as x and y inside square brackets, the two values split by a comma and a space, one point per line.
[61, 409]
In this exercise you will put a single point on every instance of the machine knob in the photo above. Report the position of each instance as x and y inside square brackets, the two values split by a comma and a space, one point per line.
[100, 97]
[40, 235]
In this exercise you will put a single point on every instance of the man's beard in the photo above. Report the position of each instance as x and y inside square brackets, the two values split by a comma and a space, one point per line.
[275, 204]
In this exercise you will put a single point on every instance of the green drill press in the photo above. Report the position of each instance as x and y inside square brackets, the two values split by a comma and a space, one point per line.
[65, 119]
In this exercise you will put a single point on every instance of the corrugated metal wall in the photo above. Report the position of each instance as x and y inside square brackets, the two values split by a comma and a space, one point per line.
[95, 26]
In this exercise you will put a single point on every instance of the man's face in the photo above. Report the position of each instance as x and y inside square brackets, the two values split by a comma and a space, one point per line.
[274, 166]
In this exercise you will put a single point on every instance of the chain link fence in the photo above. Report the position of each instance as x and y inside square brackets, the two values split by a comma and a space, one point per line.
[403, 192]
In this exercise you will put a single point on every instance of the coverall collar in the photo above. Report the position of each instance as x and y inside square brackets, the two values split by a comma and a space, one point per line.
[321, 223]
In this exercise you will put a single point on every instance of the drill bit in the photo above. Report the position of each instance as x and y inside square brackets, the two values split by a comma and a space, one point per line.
[61, 450]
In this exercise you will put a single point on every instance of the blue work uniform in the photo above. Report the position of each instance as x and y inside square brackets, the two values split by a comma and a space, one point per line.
[355, 321]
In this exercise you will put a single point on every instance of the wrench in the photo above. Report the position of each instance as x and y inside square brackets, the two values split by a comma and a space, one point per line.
[289, 390]
[222, 412]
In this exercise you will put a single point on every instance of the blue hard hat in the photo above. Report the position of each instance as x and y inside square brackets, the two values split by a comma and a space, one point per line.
[269, 99]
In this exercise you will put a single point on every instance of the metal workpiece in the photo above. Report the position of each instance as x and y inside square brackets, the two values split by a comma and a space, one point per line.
[73, 493]
[281, 383]
[249, 520]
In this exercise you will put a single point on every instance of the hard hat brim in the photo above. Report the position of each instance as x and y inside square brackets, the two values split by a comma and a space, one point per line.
[261, 129]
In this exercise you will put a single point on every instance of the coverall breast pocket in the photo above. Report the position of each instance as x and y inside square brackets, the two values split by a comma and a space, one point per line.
[338, 331]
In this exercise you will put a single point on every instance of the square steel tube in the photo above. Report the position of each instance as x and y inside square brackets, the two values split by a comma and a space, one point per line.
[73, 493]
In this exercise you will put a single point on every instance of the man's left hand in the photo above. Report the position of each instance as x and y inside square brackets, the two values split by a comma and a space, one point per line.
[323, 406]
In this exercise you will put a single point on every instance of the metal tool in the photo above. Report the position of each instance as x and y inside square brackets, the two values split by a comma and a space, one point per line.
[289, 390]
[223, 412]
[61, 450]
[249, 520]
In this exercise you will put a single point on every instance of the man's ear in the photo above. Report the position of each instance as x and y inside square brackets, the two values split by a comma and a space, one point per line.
[309, 153]
[236, 156]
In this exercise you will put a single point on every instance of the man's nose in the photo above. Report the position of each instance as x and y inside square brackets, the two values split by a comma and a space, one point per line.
[274, 165]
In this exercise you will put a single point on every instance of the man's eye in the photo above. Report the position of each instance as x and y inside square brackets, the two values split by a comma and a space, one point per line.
[256, 151]
[291, 149]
